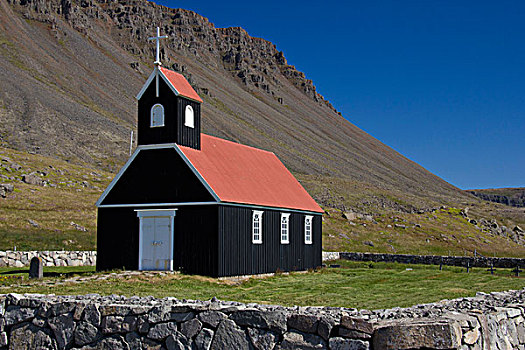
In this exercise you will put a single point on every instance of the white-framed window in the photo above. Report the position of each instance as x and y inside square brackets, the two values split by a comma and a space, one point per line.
[308, 229]
[157, 115]
[285, 228]
[189, 119]
[257, 227]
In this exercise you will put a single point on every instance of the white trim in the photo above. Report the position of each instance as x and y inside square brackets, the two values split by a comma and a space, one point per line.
[152, 116]
[263, 207]
[115, 179]
[144, 213]
[166, 80]
[287, 217]
[206, 203]
[156, 82]
[149, 147]
[308, 239]
[145, 205]
[196, 172]
[146, 84]
[259, 214]
[156, 213]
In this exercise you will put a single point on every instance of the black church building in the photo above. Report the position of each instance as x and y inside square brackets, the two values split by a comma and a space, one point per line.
[200, 204]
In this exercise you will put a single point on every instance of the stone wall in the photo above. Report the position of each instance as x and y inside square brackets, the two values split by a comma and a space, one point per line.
[486, 321]
[427, 259]
[50, 258]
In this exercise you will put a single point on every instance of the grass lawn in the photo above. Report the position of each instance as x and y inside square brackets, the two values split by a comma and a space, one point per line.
[355, 285]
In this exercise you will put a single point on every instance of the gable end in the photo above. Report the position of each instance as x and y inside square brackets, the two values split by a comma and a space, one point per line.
[157, 174]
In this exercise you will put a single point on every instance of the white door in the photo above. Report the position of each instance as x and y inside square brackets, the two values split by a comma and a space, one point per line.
[156, 239]
[156, 243]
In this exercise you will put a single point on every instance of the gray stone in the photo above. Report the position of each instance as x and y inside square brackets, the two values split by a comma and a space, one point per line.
[85, 333]
[212, 318]
[262, 340]
[298, 340]
[191, 328]
[63, 327]
[28, 336]
[229, 336]
[17, 314]
[5, 189]
[357, 324]
[471, 337]
[118, 324]
[348, 344]
[159, 314]
[520, 328]
[203, 339]
[143, 325]
[422, 333]
[182, 316]
[3, 339]
[161, 331]
[324, 327]
[36, 269]
[92, 315]
[61, 308]
[33, 179]
[178, 341]
[115, 342]
[303, 323]
[136, 342]
[350, 333]
[273, 320]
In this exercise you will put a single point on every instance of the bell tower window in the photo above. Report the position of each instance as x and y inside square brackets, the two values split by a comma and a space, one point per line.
[157, 115]
[189, 119]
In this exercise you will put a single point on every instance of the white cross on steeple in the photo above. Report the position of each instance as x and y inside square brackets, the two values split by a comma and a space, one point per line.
[157, 38]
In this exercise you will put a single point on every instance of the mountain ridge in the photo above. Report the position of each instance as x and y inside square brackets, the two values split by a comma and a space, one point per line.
[85, 61]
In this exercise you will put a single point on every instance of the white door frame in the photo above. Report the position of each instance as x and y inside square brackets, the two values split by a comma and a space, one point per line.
[148, 213]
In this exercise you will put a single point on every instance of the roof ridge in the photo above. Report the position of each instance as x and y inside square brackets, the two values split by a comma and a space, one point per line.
[238, 143]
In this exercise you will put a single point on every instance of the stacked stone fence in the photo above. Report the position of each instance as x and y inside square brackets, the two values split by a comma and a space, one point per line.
[50, 258]
[89, 258]
[486, 321]
[428, 259]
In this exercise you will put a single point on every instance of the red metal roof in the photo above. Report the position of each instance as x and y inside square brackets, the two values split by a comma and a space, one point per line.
[243, 174]
[180, 84]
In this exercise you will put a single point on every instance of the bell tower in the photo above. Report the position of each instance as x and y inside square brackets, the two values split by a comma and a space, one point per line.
[169, 109]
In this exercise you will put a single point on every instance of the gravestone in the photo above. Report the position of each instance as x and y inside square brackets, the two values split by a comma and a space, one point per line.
[36, 269]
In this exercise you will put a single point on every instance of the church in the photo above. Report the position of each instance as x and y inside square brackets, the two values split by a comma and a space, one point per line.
[199, 204]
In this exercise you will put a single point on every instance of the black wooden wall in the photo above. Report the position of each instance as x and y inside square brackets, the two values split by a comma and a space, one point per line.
[158, 176]
[173, 130]
[239, 256]
[194, 245]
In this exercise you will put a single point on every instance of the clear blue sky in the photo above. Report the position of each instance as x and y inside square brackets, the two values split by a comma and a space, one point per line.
[442, 82]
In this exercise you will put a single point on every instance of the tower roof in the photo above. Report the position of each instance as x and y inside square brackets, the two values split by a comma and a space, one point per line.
[177, 83]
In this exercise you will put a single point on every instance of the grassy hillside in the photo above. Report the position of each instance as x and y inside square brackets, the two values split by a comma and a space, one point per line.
[367, 218]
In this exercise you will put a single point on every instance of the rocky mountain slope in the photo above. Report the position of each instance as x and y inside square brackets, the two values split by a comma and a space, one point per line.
[70, 70]
[514, 197]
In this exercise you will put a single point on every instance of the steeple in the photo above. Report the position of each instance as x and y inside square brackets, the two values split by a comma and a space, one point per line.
[169, 109]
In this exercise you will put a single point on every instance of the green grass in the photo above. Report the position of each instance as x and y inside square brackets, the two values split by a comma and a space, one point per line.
[357, 285]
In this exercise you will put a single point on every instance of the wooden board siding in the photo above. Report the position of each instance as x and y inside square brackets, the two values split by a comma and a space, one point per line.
[173, 130]
[239, 256]
[158, 176]
[195, 249]
[117, 239]
[189, 137]
[194, 245]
